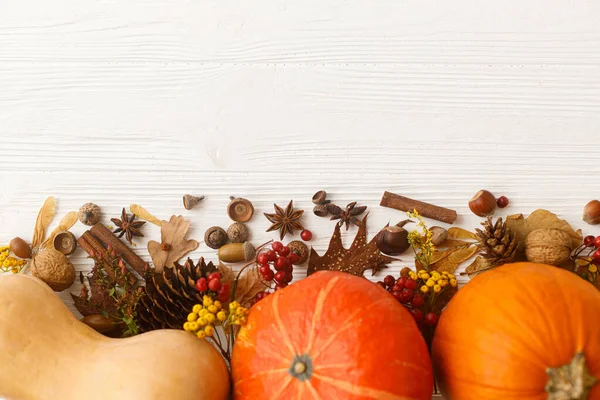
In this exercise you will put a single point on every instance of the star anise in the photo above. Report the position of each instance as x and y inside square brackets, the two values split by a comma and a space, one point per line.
[127, 226]
[285, 220]
[347, 216]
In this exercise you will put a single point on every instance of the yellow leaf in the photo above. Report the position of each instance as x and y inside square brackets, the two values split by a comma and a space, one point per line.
[454, 258]
[44, 218]
[450, 243]
[460, 233]
[539, 219]
[65, 224]
[142, 213]
[248, 286]
[479, 265]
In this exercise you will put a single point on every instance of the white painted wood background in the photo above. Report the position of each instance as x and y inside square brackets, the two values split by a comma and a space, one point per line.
[141, 101]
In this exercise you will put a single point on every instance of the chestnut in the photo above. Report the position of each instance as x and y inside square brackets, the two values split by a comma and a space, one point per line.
[393, 240]
[483, 203]
[591, 212]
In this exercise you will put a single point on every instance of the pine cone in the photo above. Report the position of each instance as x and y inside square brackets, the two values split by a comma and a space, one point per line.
[170, 295]
[497, 242]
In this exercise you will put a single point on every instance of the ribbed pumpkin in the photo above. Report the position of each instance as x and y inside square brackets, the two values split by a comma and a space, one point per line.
[331, 336]
[508, 332]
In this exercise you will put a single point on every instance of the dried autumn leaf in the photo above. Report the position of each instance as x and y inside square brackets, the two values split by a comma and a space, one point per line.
[65, 224]
[360, 257]
[539, 219]
[144, 214]
[479, 265]
[248, 286]
[456, 257]
[227, 274]
[460, 233]
[173, 241]
[450, 243]
[45, 216]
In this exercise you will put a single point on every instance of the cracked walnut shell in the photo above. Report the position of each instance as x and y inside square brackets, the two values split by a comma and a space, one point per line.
[548, 246]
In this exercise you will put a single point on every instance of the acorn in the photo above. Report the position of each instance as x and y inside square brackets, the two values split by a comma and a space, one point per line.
[65, 242]
[393, 240]
[215, 237]
[20, 248]
[239, 209]
[89, 214]
[237, 252]
[237, 232]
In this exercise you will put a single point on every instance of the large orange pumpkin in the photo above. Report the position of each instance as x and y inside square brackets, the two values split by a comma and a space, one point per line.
[331, 336]
[508, 331]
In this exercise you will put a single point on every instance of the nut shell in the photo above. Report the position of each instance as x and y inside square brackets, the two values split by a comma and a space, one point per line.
[65, 242]
[591, 212]
[319, 197]
[237, 232]
[548, 246]
[89, 214]
[320, 210]
[215, 237]
[20, 248]
[54, 268]
[438, 235]
[190, 201]
[392, 240]
[483, 203]
[300, 249]
[240, 210]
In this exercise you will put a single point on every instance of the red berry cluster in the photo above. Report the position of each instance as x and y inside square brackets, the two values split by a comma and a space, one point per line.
[212, 283]
[405, 290]
[276, 266]
[593, 242]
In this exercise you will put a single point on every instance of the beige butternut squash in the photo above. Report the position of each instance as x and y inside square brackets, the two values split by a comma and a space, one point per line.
[46, 353]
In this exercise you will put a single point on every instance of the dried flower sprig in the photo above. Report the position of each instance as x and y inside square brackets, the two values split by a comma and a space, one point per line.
[10, 263]
[421, 242]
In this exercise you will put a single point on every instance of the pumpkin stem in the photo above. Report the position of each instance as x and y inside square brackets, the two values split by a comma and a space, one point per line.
[570, 382]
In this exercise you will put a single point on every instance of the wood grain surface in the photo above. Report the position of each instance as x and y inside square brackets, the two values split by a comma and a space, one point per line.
[142, 101]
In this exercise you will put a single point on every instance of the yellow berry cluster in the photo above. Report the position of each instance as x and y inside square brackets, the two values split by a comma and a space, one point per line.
[203, 318]
[435, 281]
[10, 263]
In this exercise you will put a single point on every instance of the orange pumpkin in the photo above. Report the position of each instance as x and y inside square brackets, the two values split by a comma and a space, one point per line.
[507, 333]
[331, 336]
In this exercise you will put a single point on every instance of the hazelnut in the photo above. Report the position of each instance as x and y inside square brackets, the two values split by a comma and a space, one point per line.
[54, 268]
[237, 252]
[65, 242]
[548, 246]
[299, 249]
[240, 210]
[190, 201]
[483, 203]
[438, 235]
[591, 212]
[20, 248]
[393, 240]
[237, 232]
[89, 214]
[215, 237]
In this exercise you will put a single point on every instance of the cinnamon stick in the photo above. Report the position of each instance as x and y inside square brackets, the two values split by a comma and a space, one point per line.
[89, 243]
[427, 210]
[104, 235]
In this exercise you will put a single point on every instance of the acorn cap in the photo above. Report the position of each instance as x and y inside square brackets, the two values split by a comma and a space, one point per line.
[240, 210]
[65, 242]
[190, 201]
[319, 197]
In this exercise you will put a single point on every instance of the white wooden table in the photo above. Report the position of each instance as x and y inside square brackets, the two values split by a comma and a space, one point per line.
[141, 101]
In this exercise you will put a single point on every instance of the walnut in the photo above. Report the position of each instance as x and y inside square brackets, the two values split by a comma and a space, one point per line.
[54, 268]
[548, 246]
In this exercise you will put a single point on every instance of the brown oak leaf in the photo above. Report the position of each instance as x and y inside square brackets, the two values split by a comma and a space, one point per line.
[360, 257]
[249, 284]
[173, 244]
[480, 264]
